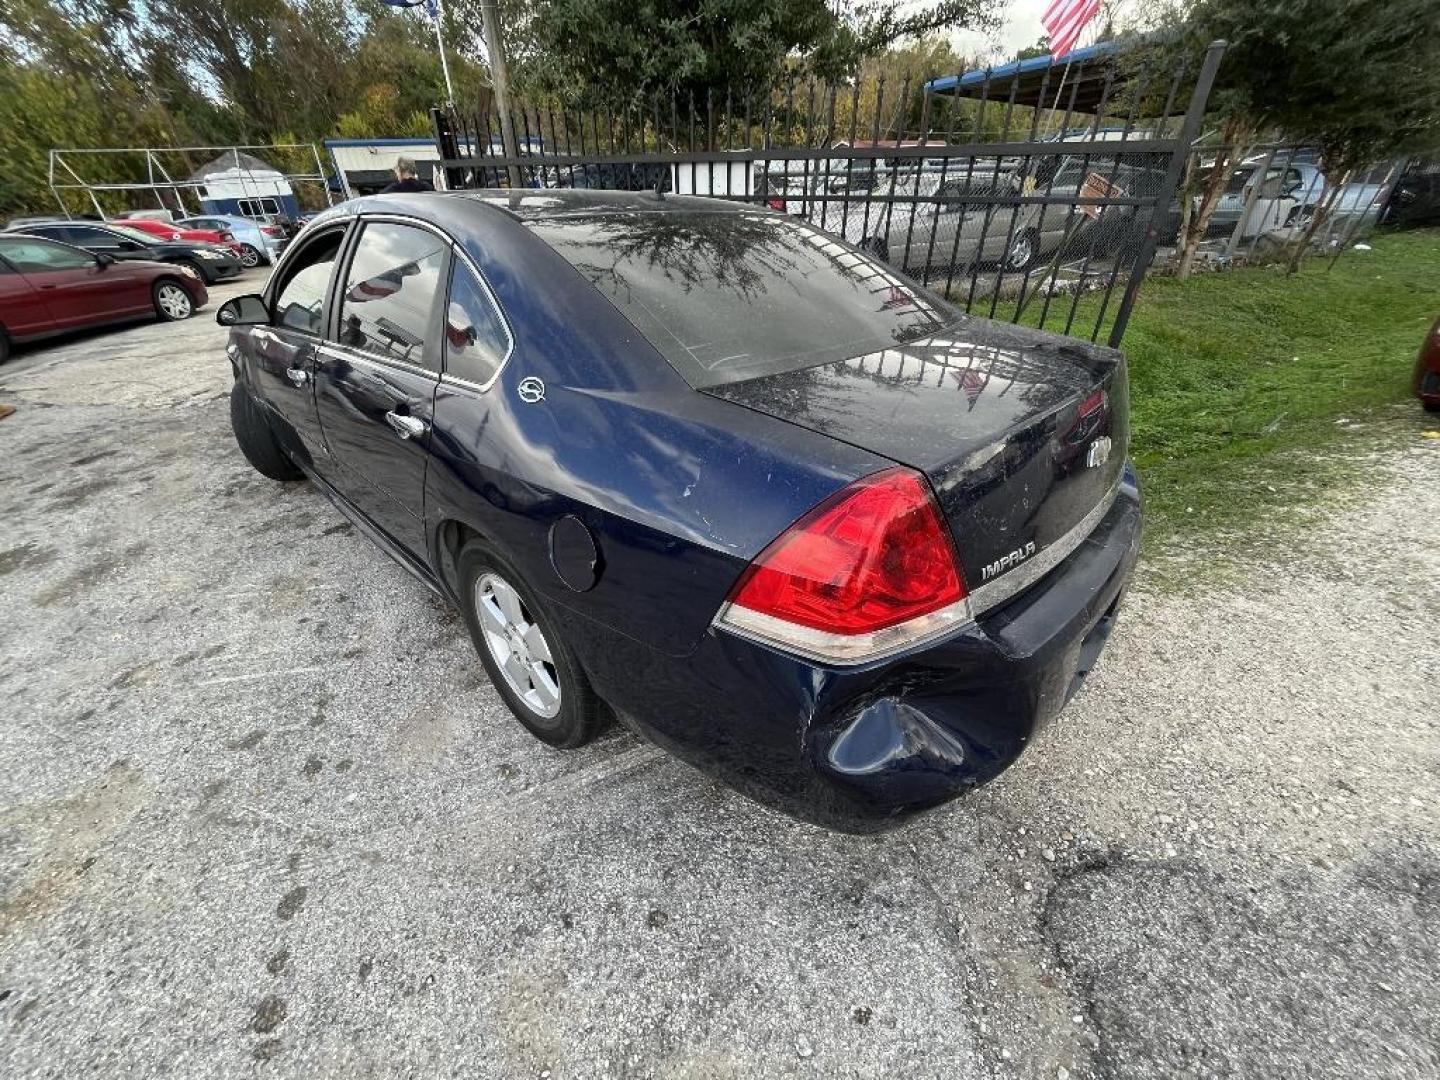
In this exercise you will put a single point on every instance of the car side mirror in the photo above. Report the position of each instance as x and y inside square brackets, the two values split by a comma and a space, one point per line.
[102, 260]
[247, 310]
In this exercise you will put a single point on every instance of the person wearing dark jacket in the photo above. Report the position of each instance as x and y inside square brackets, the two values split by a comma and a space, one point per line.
[405, 178]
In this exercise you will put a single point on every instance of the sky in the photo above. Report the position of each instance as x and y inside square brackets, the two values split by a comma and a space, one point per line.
[1020, 26]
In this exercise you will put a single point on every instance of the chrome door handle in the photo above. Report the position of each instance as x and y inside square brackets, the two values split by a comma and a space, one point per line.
[298, 376]
[407, 427]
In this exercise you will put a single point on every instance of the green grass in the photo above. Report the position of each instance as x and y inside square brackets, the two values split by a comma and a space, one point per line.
[1241, 381]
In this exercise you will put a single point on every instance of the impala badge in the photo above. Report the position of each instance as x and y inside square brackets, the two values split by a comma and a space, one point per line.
[1099, 452]
[531, 390]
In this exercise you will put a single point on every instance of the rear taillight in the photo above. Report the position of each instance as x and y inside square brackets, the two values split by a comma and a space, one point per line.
[865, 574]
[775, 204]
[271, 230]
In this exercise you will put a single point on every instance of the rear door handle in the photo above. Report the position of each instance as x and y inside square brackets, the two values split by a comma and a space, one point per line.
[407, 427]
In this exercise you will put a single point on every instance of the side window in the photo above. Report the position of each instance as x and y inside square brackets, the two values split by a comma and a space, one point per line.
[300, 300]
[96, 238]
[475, 338]
[35, 255]
[391, 290]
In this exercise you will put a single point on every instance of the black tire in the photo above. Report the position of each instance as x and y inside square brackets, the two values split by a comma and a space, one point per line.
[257, 439]
[250, 257]
[581, 715]
[4, 345]
[172, 301]
[1429, 406]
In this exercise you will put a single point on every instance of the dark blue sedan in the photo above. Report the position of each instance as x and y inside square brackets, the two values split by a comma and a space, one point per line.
[709, 469]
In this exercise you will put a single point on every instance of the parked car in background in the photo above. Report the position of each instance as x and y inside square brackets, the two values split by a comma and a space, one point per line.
[1427, 370]
[210, 264]
[943, 219]
[707, 467]
[1084, 231]
[169, 230]
[257, 243]
[1288, 194]
[47, 288]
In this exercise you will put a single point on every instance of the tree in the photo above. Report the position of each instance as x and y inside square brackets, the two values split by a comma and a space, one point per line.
[621, 52]
[1040, 48]
[1358, 80]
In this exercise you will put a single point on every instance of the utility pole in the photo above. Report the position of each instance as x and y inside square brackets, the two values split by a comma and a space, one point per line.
[500, 83]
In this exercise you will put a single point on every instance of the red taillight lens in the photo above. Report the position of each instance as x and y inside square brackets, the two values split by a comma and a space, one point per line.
[775, 204]
[270, 230]
[868, 572]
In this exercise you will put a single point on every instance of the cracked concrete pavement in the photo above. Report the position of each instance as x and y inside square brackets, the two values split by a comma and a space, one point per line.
[261, 812]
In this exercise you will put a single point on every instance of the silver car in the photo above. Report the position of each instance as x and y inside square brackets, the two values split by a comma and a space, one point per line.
[944, 220]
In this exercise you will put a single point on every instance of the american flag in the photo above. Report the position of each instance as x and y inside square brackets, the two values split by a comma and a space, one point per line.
[1064, 19]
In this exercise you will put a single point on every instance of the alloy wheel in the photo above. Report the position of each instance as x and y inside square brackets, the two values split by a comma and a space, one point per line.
[174, 301]
[249, 256]
[1022, 250]
[517, 645]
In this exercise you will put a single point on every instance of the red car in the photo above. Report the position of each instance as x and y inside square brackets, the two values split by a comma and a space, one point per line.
[48, 288]
[164, 230]
[1427, 370]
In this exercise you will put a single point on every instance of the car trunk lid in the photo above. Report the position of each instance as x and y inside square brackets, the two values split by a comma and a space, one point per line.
[1021, 434]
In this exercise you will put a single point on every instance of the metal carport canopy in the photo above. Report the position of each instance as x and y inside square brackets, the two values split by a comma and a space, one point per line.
[1087, 79]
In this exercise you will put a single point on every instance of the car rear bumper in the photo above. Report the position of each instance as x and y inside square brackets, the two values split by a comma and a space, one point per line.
[862, 748]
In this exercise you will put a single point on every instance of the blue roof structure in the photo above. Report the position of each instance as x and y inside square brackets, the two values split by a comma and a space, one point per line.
[1078, 68]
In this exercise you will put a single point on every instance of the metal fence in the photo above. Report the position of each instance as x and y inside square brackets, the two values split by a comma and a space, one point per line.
[1031, 196]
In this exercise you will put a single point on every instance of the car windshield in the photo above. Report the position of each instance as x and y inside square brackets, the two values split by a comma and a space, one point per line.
[727, 296]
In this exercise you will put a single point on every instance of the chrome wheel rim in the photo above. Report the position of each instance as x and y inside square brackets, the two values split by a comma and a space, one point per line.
[249, 256]
[173, 301]
[1020, 252]
[517, 645]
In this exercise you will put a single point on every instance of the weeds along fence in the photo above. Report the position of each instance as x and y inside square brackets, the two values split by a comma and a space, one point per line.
[1031, 193]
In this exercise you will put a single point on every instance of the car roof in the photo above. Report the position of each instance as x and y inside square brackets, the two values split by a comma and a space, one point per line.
[530, 203]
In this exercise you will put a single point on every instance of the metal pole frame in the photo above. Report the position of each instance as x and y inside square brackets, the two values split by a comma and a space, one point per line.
[1189, 131]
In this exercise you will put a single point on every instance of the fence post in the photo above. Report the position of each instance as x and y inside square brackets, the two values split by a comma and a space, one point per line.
[1189, 130]
[449, 149]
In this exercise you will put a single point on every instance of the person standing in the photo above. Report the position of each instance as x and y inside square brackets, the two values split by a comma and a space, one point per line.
[405, 178]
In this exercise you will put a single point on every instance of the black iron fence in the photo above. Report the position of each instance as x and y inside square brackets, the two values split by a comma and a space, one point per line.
[1030, 195]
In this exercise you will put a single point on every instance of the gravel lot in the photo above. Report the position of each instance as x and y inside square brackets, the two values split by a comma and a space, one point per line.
[261, 812]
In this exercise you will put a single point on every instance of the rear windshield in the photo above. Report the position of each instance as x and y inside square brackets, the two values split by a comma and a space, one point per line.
[731, 296]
